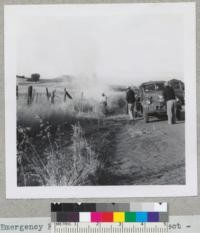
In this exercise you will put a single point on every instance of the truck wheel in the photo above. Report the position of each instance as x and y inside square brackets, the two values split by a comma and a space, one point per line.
[146, 118]
[141, 109]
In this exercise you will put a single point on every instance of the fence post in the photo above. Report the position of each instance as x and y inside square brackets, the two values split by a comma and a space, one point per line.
[17, 91]
[65, 94]
[53, 96]
[81, 101]
[33, 96]
[47, 94]
[30, 95]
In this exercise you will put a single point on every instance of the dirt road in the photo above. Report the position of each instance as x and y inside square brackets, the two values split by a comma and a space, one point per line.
[145, 153]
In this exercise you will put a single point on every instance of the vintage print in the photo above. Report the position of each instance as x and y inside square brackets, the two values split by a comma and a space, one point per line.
[101, 94]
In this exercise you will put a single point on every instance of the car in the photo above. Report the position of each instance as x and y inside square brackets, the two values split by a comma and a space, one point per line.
[152, 99]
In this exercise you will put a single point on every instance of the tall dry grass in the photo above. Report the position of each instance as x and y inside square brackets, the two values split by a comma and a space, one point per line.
[52, 147]
[57, 165]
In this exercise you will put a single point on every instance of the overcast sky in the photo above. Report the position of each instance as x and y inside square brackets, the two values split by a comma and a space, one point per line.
[115, 44]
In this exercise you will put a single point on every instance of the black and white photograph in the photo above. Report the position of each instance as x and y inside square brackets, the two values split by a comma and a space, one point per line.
[100, 100]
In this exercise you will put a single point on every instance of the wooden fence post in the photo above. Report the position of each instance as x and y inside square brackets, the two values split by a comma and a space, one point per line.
[17, 92]
[66, 94]
[34, 95]
[81, 101]
[47, 94]
[30, 95]
[53, 94]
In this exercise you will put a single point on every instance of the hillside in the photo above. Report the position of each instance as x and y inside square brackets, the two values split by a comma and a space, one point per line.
[21, 80]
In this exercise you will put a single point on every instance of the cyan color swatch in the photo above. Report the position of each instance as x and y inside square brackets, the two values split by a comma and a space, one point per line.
[141, 217]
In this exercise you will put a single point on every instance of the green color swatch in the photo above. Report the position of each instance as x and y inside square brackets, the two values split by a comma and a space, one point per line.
[130, 217]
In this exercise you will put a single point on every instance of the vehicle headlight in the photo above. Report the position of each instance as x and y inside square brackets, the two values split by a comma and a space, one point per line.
[147, 101]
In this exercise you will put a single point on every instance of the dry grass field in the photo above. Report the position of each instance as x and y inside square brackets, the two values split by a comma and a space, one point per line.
[74, 143]
[61, 143]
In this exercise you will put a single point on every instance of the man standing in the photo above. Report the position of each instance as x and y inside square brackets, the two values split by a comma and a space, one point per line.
[103, 102]
[170, 99]
[130, 98]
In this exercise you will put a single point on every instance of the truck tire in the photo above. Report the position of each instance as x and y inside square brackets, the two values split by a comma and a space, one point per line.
[145, 114]
[141, 109]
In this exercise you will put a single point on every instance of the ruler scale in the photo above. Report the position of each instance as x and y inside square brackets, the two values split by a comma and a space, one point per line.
[110, 228]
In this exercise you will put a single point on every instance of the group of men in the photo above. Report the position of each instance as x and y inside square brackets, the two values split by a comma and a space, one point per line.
[169, 97]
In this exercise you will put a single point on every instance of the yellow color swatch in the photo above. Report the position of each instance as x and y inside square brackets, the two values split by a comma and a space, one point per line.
[118, 217]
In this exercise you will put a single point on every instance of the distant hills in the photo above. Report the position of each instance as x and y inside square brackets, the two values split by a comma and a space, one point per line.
[60, 79]
[71, 81]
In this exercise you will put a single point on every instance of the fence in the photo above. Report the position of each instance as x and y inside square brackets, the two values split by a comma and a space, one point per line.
[31, 96]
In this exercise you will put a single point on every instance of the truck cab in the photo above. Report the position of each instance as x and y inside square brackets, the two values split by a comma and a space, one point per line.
[152, 99]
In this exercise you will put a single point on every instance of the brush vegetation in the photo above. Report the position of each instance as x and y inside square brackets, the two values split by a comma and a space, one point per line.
[64, 143]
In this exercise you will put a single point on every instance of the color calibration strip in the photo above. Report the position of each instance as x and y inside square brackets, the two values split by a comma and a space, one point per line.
[109, 212]
[103, 217]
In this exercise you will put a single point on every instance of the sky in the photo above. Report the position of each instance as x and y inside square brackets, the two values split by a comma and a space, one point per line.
[118, 45]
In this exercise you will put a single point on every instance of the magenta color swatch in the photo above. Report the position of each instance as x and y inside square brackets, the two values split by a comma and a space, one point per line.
[96, 216]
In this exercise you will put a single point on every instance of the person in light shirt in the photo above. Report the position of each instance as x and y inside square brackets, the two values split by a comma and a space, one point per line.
[104, 103]
[170, 98]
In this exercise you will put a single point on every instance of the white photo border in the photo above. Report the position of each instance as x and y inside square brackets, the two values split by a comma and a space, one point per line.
[189, 189]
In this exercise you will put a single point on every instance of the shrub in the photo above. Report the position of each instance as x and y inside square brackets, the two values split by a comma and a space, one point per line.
[35, 77]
